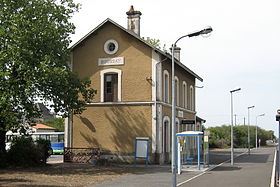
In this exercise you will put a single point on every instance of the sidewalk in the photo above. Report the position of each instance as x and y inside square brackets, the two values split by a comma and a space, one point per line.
[252, 170]
[160, 176]
[155, 177]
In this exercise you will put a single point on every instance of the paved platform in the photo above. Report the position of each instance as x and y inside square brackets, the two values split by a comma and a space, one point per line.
[160, 176]
[252, 170]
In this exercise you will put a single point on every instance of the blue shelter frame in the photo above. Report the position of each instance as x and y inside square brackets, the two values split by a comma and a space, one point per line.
[197, 134]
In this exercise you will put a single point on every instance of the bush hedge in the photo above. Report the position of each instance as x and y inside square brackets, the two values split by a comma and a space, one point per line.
[25, 152]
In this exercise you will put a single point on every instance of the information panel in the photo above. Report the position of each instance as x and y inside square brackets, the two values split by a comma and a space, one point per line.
[141, 148]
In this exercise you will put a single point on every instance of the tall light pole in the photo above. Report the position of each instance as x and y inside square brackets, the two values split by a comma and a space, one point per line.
[257, 129]
[231, 129]
[249, 128]
[278, 119]
[173, 161]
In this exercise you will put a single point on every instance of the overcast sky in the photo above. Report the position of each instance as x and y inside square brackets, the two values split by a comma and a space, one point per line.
[242, 51]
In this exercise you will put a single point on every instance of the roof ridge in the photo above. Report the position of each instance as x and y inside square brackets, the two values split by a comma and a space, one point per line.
[139, 38]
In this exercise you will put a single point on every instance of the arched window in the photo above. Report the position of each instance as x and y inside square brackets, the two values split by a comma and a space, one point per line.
[184, 94]
[166, 135]
[166, 86]
[176, 91]
[191, 98]
[110, 89]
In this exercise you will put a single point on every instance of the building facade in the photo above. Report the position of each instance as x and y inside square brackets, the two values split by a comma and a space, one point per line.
[133, 83]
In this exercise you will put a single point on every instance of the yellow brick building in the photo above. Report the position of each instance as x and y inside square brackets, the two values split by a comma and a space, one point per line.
[133, 83]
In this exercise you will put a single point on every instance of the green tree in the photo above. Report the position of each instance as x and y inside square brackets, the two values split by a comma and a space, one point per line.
[155, 43]
[220, 136]
[34, 61]
[57, 123]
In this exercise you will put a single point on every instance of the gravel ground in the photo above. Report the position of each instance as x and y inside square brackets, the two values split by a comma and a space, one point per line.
[63, 175]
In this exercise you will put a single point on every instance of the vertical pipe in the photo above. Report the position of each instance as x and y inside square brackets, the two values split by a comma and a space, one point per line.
[257, 132]
[249, 131]
[278, 153]
[198, 152]
[174, 182]
[231, 132]
[179, 156]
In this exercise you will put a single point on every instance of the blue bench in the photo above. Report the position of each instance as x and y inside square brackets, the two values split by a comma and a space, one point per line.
[189, 161]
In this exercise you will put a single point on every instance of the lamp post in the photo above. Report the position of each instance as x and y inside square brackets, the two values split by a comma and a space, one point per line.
[278, 119]
[249, 128]
[257, 129]
[231, 129]
[173, 161]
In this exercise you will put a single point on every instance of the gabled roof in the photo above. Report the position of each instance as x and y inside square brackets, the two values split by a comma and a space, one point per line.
[140, 39]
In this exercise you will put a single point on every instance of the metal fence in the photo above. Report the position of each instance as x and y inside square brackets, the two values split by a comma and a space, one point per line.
[81, 155]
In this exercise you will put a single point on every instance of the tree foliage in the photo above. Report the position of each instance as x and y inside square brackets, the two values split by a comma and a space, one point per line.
[34, 61]
[57, 123]
[220, 136]
[155, 43]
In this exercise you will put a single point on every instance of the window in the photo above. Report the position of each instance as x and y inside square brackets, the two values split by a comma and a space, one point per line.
[111, 47]
[184, 94]
[166, 87]
[176, 91]
[166, 135]
[191, 98]
[110, 85]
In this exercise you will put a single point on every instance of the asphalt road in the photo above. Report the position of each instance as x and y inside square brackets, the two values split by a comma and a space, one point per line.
[55, 159]
[248, 171]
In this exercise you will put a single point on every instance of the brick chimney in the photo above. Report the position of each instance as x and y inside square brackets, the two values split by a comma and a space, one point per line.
[176, 52]
[133, 20]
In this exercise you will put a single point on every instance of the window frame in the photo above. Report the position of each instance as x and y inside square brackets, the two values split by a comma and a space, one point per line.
[166, 91]
[106, 46]
[107, 71]
[192, 98]
[177, 90]
[184, 95]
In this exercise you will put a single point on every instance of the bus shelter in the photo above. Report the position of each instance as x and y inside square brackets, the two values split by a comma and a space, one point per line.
[181, 142]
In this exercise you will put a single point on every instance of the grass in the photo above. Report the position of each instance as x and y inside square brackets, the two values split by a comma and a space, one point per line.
[63, 175]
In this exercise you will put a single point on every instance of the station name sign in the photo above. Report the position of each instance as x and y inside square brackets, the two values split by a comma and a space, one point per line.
[111, 61]
[184, 121]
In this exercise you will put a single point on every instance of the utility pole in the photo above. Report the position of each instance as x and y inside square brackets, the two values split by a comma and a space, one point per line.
[249, 144]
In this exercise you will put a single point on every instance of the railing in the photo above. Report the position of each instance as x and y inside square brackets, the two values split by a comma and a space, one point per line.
[81, 155]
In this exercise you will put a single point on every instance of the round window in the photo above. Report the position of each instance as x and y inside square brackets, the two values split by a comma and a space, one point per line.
[111, 47]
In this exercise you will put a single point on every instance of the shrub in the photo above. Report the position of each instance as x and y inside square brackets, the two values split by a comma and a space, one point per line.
[3, 159]
[44, 149]
[24, 152]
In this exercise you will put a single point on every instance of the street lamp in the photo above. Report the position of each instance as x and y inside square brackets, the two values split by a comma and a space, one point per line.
[249, 128]
[197, 33]
[278, 119]
[257, 129]
[231, 129]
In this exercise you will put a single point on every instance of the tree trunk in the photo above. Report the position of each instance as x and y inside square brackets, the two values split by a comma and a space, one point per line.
[2, 141]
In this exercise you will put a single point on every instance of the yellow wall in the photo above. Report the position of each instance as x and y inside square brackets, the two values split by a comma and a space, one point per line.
[137, 67]
[182, 76]
[112, 128]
